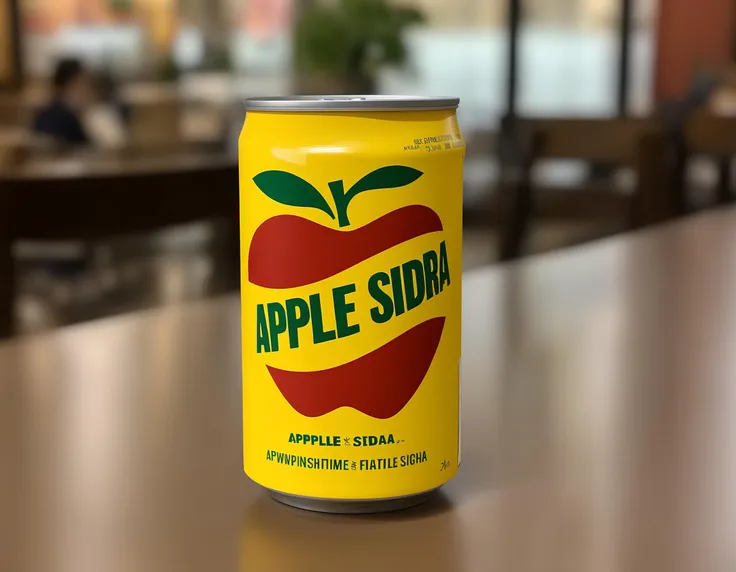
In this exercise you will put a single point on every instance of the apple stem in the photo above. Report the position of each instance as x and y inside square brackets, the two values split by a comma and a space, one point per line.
[337, 188]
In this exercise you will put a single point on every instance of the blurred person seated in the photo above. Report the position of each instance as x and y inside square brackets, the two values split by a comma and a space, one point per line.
[106, 119]
[61, 118]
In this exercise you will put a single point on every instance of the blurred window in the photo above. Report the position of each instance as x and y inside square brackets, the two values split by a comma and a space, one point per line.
[142, 37]
[569, 57]
[568, 64]
[261, 41]
[461, 50]
[117, 34]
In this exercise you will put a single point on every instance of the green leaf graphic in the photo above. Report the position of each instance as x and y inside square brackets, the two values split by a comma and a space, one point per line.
[288, 189]
[385, 178]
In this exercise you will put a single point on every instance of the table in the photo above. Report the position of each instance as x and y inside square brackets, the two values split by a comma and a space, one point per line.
[94, 197]
[599, 408]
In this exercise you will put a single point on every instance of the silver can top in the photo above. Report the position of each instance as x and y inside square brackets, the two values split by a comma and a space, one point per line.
[297, 103]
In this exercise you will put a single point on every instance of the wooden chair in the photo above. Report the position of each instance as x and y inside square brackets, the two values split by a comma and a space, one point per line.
[638, 144]
[713, 136]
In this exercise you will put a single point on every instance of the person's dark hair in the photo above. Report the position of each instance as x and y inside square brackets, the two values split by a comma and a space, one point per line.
[67, 70]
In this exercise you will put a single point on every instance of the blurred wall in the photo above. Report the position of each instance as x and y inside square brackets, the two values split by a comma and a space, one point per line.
[692, 34]
[7, 71]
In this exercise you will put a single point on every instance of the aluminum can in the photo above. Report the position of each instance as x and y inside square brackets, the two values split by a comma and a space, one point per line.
[351, 251]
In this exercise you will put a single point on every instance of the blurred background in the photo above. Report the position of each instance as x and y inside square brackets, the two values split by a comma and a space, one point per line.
[119, 121]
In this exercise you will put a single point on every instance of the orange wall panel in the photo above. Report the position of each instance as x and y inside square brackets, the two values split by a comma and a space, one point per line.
[691, 34]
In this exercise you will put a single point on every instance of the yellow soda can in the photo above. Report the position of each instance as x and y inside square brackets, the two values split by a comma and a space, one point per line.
[351, 241]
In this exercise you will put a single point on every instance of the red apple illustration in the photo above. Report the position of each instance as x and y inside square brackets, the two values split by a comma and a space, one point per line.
[288, 251]
[378, 384]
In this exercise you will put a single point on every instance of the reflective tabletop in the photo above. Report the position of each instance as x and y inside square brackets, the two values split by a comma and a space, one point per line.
[599, 432]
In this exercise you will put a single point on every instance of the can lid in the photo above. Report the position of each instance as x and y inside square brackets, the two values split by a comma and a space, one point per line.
[297, 103]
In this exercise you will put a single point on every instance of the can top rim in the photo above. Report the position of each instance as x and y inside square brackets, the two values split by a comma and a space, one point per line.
[297, 103]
